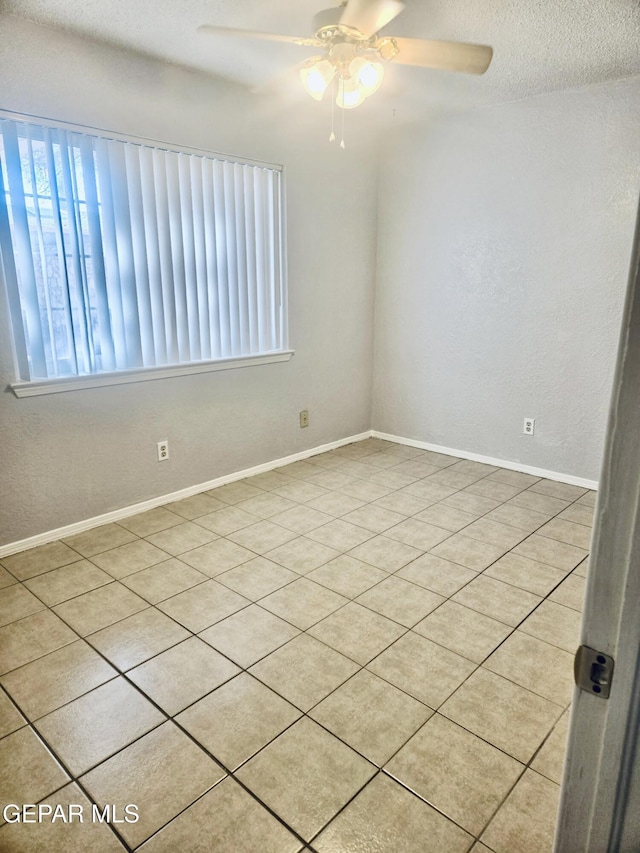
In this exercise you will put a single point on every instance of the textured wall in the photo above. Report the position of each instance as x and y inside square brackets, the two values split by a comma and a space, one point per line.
[67, 457]
[503, 240]
[504, 243]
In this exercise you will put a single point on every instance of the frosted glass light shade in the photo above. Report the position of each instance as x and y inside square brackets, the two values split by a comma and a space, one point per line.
[349, 94]
[316, 76]
[368, 74]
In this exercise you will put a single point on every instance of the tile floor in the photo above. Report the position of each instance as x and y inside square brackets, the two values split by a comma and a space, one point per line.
[343, 654]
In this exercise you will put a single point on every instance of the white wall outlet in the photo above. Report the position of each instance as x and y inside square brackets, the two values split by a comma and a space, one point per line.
[163, 450]
[304, 418]
[529, 426]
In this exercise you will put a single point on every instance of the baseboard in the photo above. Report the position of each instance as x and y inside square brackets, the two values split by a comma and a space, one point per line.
[489, 460]
[152, 503]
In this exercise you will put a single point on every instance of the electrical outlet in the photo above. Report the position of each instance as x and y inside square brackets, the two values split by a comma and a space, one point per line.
[163, 450]
[529, 426]
[304, 418]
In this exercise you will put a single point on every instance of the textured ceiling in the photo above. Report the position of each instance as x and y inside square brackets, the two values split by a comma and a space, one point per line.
[539, 45]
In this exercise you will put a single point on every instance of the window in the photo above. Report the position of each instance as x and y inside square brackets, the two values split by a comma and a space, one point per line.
[124, 255]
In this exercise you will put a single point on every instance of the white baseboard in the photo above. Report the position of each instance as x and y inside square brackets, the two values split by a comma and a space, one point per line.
[489, 460]
[152, 503]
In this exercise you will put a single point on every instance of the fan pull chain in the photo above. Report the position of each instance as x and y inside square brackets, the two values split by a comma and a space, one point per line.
[342, 131]
[332, 136]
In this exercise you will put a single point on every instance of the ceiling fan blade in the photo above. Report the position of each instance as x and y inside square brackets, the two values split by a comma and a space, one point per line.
[369, 16]
[209, 29]
[448, 55]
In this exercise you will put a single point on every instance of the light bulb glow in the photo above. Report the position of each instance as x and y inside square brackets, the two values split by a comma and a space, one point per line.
[316, 76]
[349, 95]
[368, 74]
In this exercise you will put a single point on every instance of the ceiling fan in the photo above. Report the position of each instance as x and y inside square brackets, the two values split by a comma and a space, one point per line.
[353, 57]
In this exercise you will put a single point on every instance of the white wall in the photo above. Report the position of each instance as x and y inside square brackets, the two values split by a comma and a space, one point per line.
[503, 251]
[503, 237]
[67, 457]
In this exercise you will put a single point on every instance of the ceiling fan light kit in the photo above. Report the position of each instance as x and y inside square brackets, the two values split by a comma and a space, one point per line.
[359, 74]
[317, 74]
[352, 64]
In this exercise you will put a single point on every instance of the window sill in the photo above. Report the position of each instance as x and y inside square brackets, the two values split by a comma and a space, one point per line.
[122, 377]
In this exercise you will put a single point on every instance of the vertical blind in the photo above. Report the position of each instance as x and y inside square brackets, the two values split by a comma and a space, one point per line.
[122, 255]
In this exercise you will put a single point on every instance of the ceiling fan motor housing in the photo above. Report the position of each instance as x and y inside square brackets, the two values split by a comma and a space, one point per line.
[327, 27]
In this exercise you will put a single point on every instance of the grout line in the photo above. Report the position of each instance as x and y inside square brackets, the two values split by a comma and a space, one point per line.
[232, 773]
[362, 667]
[74, 780]
[167, 719]
[389, 575]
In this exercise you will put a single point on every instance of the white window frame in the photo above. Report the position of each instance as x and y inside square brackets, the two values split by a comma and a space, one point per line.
[25, 387]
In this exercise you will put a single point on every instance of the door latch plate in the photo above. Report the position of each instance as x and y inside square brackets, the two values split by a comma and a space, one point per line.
[593, 671]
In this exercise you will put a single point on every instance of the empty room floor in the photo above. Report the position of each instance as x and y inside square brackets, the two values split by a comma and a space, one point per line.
[368, 650]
